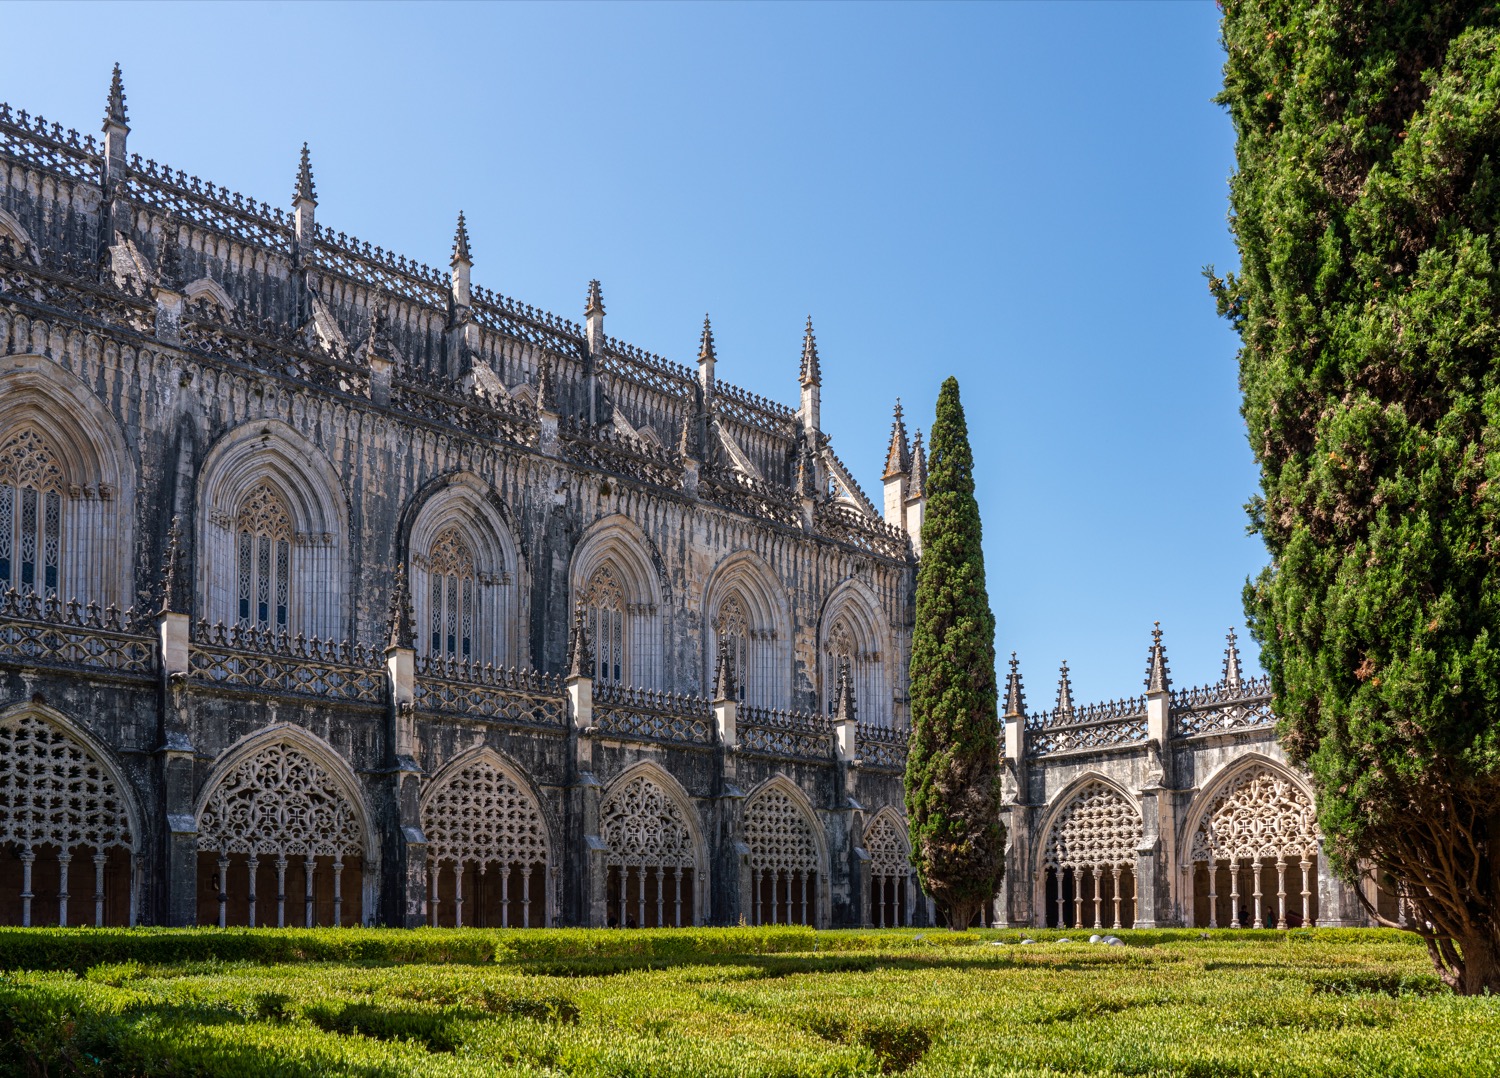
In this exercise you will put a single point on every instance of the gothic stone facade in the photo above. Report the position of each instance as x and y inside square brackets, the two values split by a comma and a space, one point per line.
[337, 589]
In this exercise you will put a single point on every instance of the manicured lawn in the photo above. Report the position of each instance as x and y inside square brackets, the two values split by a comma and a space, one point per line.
[731, 1002]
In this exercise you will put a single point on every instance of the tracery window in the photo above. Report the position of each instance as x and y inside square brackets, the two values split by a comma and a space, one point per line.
[487, 851]
[845, 644]
[1090, 859]
[732, 628]
[451, 600]
[59, 809]
[31, 490]
[652, 861]
[1261, 820]
[605, 612]
[783, 860]
[890, 871]
[280, 812]
[263, 531]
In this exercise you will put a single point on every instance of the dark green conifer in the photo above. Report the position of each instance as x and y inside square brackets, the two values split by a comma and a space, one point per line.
[953, 761]
[1365, 205]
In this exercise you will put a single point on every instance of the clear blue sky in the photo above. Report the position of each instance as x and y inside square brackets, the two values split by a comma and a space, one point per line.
[1020, 195]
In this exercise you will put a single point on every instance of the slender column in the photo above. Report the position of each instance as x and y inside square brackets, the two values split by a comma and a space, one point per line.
[100, 857]
[1098, 900]
[458, 894]
[1234, 894]
[661, 897]
[1306, 894]
[254, 863]
[63, 860]
[432, 876]
[308, 866]
[1213, 893]
[1280, 891]
[526, 895]
[1062, 920]
[223, 890]
[1117, 896]
[640, 896]
[806, 913]
[677, 872]
[776, 896]
[338, 892]
[757, 913]
[880, 906]
[1078, 878]
[505, 896]
[281, 891]
[28, 858]
[1260, 920]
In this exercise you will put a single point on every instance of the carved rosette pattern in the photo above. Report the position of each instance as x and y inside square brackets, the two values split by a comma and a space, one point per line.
[779, 834]
[887, 847]
[645, 826]
[1097, 829]
[1259, 814]
[483, 815]
[55, 792]
[279, 802]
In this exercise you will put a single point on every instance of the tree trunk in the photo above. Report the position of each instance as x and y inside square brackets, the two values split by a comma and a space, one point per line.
[1481, 964]
[961, 915]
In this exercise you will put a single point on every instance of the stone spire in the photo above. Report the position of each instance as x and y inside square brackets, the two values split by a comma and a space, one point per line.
[462, 263]
[898, 458]
[580, 649]
[115, 112]
[400, 631]
[812, 373]
[593, 318]
[724, 672]
[844, 709]
[916, 488]
[174, 598]
[1158, 676]
[1015, 695]
[706, 358]
[116, 128]
[304, 200]
[1233, 676]
[1064, 705]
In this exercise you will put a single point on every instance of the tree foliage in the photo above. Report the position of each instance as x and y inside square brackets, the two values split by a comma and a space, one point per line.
[952, 763]
[1365, 205]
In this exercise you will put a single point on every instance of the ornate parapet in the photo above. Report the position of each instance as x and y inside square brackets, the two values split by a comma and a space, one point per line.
[275, 662]
[493, 694]
[1219, 709]
[652, 715]
[882, 748]
[37, 632]
[797, 735]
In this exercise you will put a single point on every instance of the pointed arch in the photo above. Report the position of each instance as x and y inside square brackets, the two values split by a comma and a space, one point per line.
[468, 578]
[489, 844]
[891, 893]
[12, 229]
[245, 574]
[656, 859]
[66, 810]
[614, 576]
[284, 814]
[208, 290]
[80, 530]
[745, 603]
[1254, 818]
[852, 628]
[789, 865]
[1087, 852]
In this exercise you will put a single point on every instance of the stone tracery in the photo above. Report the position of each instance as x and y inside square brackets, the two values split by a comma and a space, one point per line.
[651, 846]
[784, 863]
[890, 871]
[1091, 854]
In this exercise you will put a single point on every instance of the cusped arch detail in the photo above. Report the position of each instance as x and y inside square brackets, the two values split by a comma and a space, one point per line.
[490, 794]
[1092, 822]
[649, 826]
[781, 789]
[888, 842]
[1252, 807]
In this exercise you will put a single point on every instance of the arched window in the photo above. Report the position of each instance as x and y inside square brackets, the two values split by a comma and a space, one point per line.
[31, 491]
[263, 536]
[890, 872]
[848, 640]
[732, 628]
[652, 858]
[604, 618]
[1090, 859]
[450, 604]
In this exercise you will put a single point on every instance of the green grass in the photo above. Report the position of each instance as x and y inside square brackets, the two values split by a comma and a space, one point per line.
[727, 1002]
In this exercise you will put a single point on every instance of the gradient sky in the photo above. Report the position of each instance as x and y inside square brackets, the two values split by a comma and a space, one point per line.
[1020, 195]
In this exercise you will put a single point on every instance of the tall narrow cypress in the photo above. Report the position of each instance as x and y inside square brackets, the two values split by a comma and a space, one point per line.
[953, 765]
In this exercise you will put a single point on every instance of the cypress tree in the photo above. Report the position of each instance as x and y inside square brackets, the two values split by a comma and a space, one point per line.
[1365, 205]
[953, 758]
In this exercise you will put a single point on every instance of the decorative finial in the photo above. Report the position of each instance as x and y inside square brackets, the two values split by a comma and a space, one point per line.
[173, 578]
[169, 261]
[706, 343]
[685, 439]
[811, 374]
[898, 460]
[115, 113]
[546, 392]
[380, 331]
[843, 707]
[724, 672]
[461, 243]
[807, 483]
[595, 303]
[1064, 692]
[1158, 676]
[399, 629]
[1233, 676]
[580, 649]
[305, 192]
[1015, 695]
[918, 482]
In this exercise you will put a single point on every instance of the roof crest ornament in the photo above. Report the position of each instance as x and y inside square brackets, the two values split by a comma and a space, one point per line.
[115, 111]
[461, 243]
[1015, 694]
[1064, 706]
[1233, 676]
[898, 460]
[811, 373]
[580, 649]
[918, 469]
[706, 343]
[400, 629]
[1158, 676]
[595, 302]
